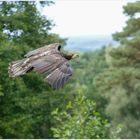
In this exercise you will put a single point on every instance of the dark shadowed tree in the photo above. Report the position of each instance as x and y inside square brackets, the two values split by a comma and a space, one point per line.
[24, 101]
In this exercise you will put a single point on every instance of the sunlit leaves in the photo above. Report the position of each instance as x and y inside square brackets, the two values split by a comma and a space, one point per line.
[79, 120]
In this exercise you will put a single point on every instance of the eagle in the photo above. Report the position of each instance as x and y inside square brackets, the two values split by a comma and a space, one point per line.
[49, 61]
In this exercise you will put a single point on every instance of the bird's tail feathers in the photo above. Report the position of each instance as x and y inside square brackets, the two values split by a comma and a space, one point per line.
[19, 67]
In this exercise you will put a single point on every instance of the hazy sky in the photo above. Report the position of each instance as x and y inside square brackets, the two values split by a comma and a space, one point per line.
[86, 17]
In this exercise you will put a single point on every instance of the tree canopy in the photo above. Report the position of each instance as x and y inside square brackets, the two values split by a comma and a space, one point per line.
[100, 101]
[27, 104]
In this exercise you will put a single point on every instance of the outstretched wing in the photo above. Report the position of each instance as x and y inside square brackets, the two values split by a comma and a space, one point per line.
[50, 62]
[48, 49]
[59, 76]
[47, 64]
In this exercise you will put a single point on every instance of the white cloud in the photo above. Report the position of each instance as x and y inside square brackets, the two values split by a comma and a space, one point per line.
[86, 17]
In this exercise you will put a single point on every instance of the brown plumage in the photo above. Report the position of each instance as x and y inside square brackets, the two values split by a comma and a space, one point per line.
[48, 61]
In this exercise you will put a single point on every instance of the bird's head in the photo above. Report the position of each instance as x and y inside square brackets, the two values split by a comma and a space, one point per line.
[70, 56]
[74, 55]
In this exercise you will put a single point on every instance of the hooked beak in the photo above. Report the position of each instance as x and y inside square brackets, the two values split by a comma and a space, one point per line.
[75, 56]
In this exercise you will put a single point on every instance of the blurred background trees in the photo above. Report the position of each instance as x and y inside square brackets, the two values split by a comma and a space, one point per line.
[121, 82]
[130, 53]
[100, 101]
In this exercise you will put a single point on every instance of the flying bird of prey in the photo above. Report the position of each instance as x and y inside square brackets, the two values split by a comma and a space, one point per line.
[49, 61]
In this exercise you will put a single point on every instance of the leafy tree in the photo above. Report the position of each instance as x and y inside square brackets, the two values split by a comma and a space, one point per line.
[121, 82]
[23, 23]
[27, 104]
[80, 120]
[87, 68]
[102, 94]
[24, 101]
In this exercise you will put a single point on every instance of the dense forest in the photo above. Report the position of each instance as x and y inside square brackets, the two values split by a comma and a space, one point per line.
[102, 98]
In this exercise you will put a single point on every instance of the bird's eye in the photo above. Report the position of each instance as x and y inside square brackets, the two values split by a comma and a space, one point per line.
[59, 47]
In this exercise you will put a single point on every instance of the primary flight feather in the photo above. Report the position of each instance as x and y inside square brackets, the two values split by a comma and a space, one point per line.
[47, 60]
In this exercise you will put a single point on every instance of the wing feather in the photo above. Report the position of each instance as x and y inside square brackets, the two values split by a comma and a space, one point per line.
[48, 49]
[47, 64]
[59, 76]
[50, 62]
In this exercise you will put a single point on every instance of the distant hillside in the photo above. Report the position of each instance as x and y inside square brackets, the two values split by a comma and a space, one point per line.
[88, 43]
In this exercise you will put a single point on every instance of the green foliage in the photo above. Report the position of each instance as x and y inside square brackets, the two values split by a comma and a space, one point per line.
[87, 68]
[26, 102]
[100, 101]
[79, 120]
[23, 23]
[120, 83]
